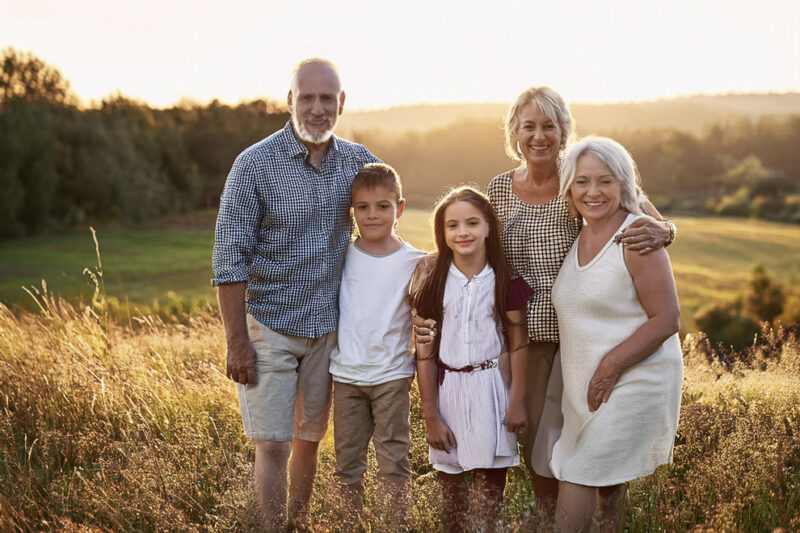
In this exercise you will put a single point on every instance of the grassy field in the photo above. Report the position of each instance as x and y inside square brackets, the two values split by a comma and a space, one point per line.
[117, 427]
[123, 421]
[712, 259]
[141, 265]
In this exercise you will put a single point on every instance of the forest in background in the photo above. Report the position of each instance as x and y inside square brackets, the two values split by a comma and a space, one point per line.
[743, 166]
[64, 165]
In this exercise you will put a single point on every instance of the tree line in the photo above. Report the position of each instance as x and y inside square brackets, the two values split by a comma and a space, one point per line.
[63, 165]
[741, 167]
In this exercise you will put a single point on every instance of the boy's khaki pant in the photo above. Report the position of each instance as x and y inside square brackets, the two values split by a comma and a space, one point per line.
[379, 412]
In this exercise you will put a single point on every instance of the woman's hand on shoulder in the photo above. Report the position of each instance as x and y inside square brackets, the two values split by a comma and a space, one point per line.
[645, 234]
[516, 416]
[439, 435]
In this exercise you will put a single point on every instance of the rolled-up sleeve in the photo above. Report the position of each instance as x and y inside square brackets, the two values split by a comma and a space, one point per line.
[239, 217]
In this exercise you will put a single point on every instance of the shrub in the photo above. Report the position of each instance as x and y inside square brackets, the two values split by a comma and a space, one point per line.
[723, 323]
[764, 298]
[736, 204]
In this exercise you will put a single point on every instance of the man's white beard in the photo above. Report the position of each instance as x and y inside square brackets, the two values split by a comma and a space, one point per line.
[309, 137]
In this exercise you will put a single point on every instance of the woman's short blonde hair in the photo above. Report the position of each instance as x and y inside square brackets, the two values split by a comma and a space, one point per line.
[619, 162]
[551, 103]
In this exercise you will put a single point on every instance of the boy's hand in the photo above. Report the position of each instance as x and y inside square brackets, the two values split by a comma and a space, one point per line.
[424, 329]
[516, 417]
[439, 435]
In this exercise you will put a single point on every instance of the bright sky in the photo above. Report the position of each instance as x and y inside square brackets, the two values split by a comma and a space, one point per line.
[400, 52]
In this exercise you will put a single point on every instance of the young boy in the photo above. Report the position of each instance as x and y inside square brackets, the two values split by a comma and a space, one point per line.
[372, 366]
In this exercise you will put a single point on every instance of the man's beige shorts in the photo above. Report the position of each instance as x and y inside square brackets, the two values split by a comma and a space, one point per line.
[292, 394]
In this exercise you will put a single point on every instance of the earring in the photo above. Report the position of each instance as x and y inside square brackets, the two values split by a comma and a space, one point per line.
[562, 153]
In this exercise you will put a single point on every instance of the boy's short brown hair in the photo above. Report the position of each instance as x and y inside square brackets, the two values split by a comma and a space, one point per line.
[374, 175]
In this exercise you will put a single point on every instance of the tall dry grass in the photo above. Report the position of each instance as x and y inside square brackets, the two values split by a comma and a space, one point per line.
[119, 427]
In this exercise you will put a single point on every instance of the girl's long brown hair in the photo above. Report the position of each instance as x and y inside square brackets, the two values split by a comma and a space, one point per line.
[428, 301]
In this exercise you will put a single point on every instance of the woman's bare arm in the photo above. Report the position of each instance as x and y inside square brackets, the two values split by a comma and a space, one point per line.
[655, 286]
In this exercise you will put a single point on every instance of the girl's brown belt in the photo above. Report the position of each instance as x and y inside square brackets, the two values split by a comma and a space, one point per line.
[486, 365]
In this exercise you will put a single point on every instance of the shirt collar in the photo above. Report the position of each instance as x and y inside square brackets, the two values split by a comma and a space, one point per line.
[483, 274]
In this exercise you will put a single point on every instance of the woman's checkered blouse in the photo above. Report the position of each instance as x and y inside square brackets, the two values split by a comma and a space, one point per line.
[536, 239]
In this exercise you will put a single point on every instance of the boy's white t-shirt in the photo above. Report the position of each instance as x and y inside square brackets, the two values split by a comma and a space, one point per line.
[374, 333]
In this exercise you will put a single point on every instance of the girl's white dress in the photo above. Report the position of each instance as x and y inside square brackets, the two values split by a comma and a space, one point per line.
[473, 404]
[633, 433]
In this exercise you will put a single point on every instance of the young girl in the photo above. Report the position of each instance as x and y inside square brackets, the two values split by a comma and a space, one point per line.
[470, 414]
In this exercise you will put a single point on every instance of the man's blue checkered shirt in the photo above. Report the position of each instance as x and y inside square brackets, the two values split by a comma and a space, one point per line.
[283, 227]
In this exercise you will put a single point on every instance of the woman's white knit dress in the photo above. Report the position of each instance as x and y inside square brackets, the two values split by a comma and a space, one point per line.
[633, 433]
[473, 404]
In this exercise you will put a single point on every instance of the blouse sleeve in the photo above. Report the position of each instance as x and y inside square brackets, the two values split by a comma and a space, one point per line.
[519, 292]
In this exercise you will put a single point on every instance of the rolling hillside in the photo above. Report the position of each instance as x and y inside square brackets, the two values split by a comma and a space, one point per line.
[686, 113]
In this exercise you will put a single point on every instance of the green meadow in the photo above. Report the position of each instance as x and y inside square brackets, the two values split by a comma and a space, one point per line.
[712, 259]
[138, 265]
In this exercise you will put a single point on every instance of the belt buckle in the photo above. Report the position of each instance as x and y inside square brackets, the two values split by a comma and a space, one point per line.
[486, 365]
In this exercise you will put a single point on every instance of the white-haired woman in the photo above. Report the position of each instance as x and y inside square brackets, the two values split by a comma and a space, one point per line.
[618, 316]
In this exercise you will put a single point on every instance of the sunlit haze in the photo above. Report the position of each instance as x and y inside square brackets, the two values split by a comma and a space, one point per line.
[414, 51]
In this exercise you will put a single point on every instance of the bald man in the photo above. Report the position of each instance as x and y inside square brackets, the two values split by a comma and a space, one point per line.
[281, 236]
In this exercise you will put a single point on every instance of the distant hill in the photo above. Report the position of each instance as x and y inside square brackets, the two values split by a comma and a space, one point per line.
[687, 113]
